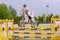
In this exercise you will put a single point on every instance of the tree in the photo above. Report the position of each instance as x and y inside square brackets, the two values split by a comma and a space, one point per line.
[56, 16]
[48, 19]
[12, 11]
[39, 17]
[17, 20]
[44, 18]
[36, 18]
[4, 12]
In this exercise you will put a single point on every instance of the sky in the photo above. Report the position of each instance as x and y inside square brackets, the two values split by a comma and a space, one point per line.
[39, 6]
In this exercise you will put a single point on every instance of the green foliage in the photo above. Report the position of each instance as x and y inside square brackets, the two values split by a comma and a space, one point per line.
[12, 11]
[17, 20]
[41, 19]
[56, 16]
[36, 18]
[4, 12]
[48, 18]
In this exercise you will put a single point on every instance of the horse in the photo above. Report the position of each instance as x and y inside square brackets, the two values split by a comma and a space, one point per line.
[26, 18]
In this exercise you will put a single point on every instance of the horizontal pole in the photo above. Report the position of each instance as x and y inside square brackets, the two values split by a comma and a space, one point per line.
[55, 19]
[33, 33]
[6, 20]
[32, 28]
[33, 36]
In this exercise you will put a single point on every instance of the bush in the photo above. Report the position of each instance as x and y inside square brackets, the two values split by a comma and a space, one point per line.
[17, 20]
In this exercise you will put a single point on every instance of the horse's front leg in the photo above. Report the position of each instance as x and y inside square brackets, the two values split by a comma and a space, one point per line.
[32, 25]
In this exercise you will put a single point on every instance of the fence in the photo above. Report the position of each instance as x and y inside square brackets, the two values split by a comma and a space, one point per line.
[9, 30]
[55, 27]
[33, 33]
[6, 31]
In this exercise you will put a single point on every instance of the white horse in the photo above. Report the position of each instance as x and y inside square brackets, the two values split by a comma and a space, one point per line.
[25, 19]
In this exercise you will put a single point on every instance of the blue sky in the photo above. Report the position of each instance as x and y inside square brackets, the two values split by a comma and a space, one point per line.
[39, 6]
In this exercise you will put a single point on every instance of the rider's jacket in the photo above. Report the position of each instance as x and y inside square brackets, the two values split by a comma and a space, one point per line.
[24, 11]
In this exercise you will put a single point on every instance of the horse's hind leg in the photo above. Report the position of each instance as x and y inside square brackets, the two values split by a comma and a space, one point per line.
[21, 24]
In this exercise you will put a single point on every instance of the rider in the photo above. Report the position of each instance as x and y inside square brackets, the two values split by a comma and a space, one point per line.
[26, 12]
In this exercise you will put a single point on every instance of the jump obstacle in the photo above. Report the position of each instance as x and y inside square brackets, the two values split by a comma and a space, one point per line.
[28, 31]
[6, 31]
[55, 28]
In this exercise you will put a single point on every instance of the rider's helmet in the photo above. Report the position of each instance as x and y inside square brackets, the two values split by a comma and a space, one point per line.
[24, 5]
